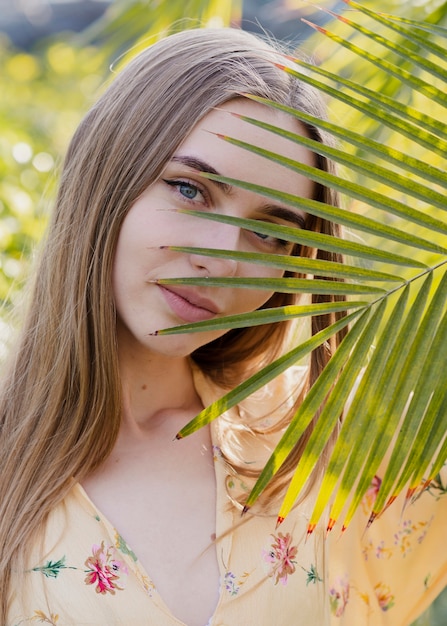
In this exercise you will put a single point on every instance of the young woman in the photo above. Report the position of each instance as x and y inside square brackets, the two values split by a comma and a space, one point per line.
[104, 517]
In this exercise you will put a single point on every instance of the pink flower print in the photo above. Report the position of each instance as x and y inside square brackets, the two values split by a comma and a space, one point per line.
[281, 558]
[371, 494]
[384, 596]
[339, 597]
[104, 570]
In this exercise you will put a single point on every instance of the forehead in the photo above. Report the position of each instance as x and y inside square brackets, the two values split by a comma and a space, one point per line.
[206, 142]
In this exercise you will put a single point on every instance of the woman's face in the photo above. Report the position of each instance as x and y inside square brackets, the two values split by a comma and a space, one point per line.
[154, 223]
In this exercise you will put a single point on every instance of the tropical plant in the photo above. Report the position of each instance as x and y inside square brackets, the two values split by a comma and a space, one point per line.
[396, 300]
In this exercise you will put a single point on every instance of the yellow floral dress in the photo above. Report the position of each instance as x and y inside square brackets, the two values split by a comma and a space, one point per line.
[86, 574]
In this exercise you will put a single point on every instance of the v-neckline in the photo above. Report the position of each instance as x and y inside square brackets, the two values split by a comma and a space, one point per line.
[223, 544]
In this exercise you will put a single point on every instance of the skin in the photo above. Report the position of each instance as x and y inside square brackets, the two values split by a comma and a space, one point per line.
[150, 481]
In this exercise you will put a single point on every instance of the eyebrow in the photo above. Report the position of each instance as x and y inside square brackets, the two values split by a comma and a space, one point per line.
[201, 166]
[288, 215]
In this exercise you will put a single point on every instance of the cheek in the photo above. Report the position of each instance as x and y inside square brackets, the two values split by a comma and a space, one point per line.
[252, 299]
[122, 263]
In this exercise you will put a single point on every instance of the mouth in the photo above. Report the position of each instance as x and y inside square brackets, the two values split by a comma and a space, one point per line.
[188, 305]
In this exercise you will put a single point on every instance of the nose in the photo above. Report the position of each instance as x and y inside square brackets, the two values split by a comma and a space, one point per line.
[221, 237]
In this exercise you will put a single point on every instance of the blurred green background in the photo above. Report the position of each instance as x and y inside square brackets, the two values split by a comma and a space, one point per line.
[56, 56]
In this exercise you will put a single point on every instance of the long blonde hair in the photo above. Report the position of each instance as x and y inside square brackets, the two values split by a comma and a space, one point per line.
[60, 401]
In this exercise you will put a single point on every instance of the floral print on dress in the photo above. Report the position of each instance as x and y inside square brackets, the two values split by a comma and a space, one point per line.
[384, 596]
[52, 569]
[105, 570]
[281, 558]
[409, 533]
[387, 585]
[122, 546]
[145, 582]
[371, 494]
[312, 575]
[43, 618]
[233, 583]
[382, 552]
[217, 453]
[339, 596]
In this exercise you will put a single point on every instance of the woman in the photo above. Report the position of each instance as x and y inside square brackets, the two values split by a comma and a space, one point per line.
[104, 518]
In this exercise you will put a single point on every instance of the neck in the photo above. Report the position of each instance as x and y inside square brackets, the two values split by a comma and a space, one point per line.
[156, 389]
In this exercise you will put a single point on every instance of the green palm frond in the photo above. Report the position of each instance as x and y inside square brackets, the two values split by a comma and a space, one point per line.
[397, 398]
[406, 120]
[265, 376]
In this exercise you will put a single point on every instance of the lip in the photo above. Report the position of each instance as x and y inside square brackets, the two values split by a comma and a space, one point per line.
[188, 305]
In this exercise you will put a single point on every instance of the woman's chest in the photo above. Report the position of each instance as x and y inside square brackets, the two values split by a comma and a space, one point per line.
[89, 574]
[166, 511]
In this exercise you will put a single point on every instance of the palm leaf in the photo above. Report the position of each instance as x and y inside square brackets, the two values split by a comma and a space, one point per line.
[419, 29]
[360, 166]
[413, 376]
[282, 285]
[264, 376]
[354, 190]
[404, 51]
[408, 36]
[404, 119]
[378, 410]
[350, 434]
[421, 85]
[263, 316]
[318, 240]
[365, 328]
[396, 411]
[295, 264]
[389, 154]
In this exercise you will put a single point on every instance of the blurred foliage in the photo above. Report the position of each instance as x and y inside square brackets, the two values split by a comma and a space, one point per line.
[132, 24]
[43, 96]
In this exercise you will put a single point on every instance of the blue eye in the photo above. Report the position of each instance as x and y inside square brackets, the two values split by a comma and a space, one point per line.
[187, 190]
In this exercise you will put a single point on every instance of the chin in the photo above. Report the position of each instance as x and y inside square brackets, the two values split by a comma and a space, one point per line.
[180, 346]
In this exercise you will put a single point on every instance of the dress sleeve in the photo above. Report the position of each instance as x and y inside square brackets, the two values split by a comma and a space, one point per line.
[389, 574]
